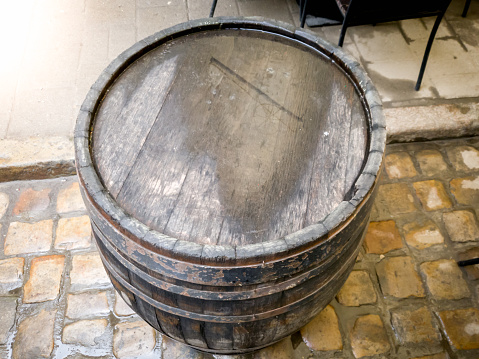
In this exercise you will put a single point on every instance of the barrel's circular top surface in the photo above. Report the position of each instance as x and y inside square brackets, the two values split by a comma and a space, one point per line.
[230, 137]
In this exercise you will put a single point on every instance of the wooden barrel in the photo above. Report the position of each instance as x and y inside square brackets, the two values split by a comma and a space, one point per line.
[228, 167]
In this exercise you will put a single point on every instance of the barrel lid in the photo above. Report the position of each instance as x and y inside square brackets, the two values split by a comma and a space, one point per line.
[216, 134]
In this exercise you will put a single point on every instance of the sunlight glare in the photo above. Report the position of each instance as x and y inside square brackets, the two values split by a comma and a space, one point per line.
[15, 19]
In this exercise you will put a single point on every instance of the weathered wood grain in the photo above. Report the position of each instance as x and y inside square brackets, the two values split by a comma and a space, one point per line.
[128, 120]
[231, 146]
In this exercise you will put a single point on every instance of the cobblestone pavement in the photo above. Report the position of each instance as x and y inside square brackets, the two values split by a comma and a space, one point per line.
[406, 297]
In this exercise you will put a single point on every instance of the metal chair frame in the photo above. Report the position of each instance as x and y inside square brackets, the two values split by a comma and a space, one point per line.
[466, 8]
[353, 17]
[356, 15]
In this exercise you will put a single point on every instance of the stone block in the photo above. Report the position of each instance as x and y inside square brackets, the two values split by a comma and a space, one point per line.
[453, 60]
[153, 3]
[273, 9]
[472, 271]
[85, 305]
[461, 226]
[176, 350]
[382, 237]
[394, 80]
[414, 327]
[422, 235]
[444, 279]
[420, 29]
[432, 195]
[322, 333]
[4, 202]
[120, 38]
[462, 327]
[133, 339]
[466, 190]
[369, 337]
[281, 350]
[398, 278]
[53, 67]
[29, 158]
[85, 332]
[381, 43]
[431, 162]
[394, 199]
[78, 355]
[452, 86]
[34, 103]
[73, 233]
[121, 308]
[434, 356]
[69, 199]
[155, 18]
[45, 278]
[357, 290]
[23, 238]
[32, 202]
[8, 307]
[399, 165]
[416, 123]
[118, 12]
[11, 274]
[94, 53]
[200, 9]
[88, 271]
[34, 338]
[464, 158]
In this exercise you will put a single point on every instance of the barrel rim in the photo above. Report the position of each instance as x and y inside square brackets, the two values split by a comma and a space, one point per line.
[252, 253]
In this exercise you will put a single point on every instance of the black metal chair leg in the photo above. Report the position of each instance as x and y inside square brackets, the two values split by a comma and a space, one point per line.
[302, 13]
[468, 262]
[342, 35]
[428, 49]
[466, 8]
[213, 8]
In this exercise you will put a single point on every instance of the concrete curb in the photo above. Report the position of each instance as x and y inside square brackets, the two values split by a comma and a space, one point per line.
[36, 158]
[433, 122]
[42, 158]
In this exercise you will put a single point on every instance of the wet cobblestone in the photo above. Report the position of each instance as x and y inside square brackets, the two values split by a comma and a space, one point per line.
[322, 333]
[382, 237]
[422, 234]
[398, 278]
[406, 297]
[45, 278]
[358, 290]
[369, 337]
[444, 279]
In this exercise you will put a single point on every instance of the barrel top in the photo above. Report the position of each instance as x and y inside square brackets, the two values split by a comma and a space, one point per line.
[230, 136]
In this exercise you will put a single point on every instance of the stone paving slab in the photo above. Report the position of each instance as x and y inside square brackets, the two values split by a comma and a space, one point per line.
[406, 297]
[57, 49]
[36, 158]
[60, 48]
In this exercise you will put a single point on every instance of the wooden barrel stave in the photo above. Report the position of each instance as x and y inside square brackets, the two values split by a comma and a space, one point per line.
[217, 303]
[194, 332]
[272, 329]
[170, 325]
[313, 258]
[186, 330]
[148, 313]
[240, 318]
